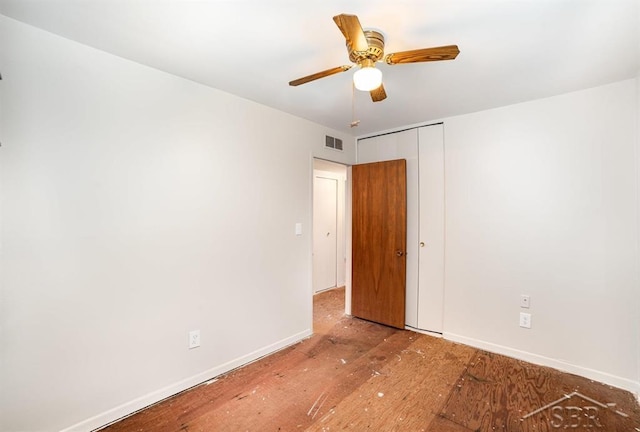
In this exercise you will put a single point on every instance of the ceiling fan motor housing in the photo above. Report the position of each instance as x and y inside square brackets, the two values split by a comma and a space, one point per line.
[375, 40]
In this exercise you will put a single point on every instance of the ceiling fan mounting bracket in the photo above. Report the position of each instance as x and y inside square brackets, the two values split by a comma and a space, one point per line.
[374, 52]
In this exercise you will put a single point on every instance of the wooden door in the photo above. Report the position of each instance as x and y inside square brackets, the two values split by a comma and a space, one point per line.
[379, 231]
[325, 227]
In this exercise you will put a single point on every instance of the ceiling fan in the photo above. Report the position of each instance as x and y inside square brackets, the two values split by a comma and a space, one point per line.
[366, 47]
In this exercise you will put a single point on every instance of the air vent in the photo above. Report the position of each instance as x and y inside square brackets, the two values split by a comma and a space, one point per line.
[334, 143]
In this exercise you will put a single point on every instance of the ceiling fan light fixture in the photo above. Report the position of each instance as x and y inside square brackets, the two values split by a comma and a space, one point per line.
[367, 78]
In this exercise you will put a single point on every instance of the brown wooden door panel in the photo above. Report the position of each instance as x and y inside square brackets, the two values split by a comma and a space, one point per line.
[379, 208]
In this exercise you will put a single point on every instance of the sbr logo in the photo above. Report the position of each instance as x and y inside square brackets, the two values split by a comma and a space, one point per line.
[577, 411]
[572, 417]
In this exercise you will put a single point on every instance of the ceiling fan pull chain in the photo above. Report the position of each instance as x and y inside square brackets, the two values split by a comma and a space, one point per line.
[354, 122]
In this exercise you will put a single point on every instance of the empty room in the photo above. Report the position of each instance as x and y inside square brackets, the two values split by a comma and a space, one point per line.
[253, 215]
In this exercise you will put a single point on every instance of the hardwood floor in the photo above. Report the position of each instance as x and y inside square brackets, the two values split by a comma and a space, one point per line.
[359, 376]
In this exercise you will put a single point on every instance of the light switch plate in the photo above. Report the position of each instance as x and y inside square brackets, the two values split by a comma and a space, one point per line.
[525, 320]
[298, 229]
[194, 339]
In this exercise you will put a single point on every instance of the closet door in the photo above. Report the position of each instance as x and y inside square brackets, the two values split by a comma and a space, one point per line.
[401, 145]
[431, 222]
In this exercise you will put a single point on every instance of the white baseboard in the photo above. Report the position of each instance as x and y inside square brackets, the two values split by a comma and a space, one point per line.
[603, 377]
[425, 332]
[137, 404]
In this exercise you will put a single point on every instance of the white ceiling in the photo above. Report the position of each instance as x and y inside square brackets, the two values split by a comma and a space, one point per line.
[510, 51]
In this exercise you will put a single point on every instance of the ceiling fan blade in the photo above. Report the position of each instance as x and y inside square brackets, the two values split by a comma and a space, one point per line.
[350, 27]
[448, 52]
[319, 75]
[378, 94]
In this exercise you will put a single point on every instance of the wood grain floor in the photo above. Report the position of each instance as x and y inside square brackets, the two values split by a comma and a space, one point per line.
[360, 376]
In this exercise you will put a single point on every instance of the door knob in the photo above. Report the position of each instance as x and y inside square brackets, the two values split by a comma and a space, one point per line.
[399, 253]
[421, 244]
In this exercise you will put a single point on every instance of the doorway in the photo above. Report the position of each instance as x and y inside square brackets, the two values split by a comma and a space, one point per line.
[329, 225]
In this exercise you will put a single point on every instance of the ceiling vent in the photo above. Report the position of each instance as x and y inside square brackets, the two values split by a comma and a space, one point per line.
[334, 143]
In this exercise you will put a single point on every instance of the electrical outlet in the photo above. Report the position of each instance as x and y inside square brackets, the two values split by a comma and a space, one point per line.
[525, 301]
[194, 339]
[525, 320]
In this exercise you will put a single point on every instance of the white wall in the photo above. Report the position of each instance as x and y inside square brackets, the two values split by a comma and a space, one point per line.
[136, 206]
[541, 199]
